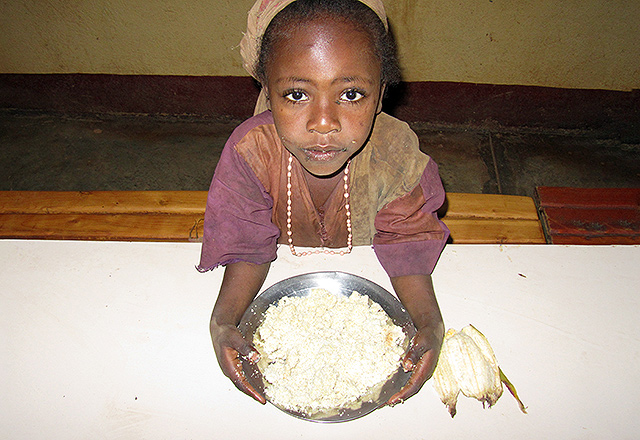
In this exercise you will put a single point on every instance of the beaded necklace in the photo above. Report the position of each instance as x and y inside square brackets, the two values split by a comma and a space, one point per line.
[347, 207]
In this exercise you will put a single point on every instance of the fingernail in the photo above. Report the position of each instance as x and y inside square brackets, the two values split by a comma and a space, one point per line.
[254, 356]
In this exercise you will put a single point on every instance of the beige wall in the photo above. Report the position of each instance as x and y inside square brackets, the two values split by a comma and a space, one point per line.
[572, 43]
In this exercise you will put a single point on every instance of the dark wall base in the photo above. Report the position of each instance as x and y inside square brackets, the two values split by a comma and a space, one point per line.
[520, 106]
[433, 102]
[154, 94]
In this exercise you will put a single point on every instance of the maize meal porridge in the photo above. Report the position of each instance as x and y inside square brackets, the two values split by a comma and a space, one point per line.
[324, 352]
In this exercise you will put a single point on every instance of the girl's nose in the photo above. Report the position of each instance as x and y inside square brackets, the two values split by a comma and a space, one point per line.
[324, 118]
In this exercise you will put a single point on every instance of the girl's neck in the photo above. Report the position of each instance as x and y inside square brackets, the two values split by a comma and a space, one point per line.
[321, 188]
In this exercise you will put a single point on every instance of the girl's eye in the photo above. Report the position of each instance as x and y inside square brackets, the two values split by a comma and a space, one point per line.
[351, 95]
[296, 96]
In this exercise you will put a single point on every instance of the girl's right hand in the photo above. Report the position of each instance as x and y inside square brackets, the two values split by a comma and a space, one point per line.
[230, 346]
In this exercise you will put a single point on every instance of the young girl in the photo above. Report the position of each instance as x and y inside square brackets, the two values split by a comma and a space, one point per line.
[322, 167]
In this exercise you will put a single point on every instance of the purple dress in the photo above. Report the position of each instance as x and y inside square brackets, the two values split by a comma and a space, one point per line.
[395, 191]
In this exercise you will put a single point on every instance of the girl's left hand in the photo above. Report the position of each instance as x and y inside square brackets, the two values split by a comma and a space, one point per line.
[421, 359]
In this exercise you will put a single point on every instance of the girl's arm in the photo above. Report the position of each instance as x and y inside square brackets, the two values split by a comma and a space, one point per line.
[417, 295]
[240, 285]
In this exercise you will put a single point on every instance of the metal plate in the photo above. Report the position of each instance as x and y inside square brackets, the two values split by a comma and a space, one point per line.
[338, 283]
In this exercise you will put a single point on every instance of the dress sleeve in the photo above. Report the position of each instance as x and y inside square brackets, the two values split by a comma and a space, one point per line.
[409, 237]
[237, 222]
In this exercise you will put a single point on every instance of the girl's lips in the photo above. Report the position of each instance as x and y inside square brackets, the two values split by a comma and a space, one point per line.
[322, 154]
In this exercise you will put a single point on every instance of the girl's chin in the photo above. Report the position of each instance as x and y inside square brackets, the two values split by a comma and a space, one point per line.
[323, 171]
[325, 167]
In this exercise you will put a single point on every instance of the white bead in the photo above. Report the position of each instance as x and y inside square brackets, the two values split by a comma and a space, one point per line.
[348, 213]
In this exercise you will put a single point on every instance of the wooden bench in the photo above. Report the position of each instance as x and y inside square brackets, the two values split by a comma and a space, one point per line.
[178, 216]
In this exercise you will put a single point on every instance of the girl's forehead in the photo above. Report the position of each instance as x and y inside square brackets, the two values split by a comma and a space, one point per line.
[333, 42]
[328, 23]
[325, 33]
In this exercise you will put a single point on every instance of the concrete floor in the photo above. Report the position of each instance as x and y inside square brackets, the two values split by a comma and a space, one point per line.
[123, 152]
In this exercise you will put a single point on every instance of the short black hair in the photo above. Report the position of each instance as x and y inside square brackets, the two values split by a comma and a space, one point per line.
[352, 11]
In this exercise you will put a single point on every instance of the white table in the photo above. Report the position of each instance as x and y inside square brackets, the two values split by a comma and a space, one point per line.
[110, 340]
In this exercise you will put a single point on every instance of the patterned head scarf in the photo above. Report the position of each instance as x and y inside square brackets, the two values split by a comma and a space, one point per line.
[261, 15]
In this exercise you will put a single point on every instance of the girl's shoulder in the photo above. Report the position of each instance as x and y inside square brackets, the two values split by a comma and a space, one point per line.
[256, 142]
[391, 165]
[391, 136]
[254, 126]
[394, 148]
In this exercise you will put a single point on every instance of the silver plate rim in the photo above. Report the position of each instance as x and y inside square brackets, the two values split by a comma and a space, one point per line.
[338, 283]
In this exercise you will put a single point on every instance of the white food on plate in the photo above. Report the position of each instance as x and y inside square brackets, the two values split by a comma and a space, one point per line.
[324, 352]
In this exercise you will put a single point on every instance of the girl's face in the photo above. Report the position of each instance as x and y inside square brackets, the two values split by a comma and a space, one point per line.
[324, 89]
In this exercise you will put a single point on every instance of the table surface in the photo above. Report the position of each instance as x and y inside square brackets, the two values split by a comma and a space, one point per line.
[110, 340]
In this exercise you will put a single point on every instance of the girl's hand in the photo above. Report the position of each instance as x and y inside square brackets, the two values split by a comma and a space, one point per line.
[230, 346]
[421, 359]
[417, 295]
[240, 284]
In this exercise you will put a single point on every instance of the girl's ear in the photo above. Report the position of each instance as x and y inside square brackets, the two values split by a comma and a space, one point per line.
[380, 98]
[266, 97]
